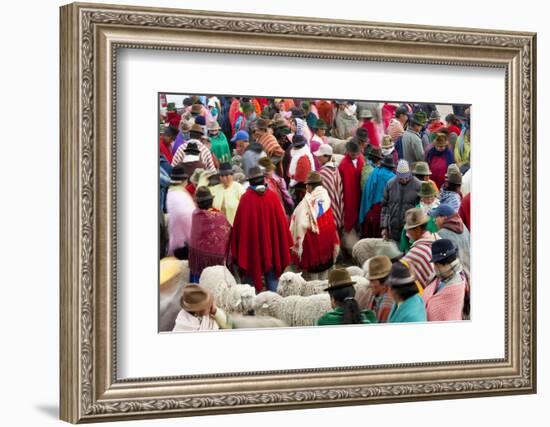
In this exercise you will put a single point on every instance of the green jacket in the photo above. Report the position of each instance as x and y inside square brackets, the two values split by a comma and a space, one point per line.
[334, 317]
[220, 147]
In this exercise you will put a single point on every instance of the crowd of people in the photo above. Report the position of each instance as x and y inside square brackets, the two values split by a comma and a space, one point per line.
[263, 185]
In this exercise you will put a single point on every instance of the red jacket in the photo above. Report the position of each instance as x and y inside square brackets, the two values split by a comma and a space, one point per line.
[351, 183]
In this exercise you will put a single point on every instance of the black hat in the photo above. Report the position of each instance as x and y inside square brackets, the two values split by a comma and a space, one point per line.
[226, 169]
[298, 140]
[178, 174]
[401, 274]
[297, 113]
[362, 135]
[352, 146]
[387, 161]
[443, 249]
[401, 110]
[192, 148]
[171, 132]
[375, 152]
[255, 172]
[203, 194]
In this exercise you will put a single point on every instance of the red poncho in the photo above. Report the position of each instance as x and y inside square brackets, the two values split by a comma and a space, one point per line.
[261, 239]
[372, 129]
[165, 150]
[464, 211]
[351, 183]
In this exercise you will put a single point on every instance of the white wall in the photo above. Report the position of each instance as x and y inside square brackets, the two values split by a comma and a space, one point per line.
[29, 215]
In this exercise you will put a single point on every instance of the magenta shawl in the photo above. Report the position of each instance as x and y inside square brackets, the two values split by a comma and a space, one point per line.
[209, 239]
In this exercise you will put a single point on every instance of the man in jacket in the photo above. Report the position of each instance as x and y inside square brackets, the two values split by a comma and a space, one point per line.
[400, 195]
[413, 150]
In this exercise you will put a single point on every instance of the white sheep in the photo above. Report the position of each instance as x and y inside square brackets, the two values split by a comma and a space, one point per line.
[360, 282]
[294, 310]
[239, 298]
[338, 145]
[294, 284]
[228, 295]
[250, 322]
[365, 249]
[354, 270]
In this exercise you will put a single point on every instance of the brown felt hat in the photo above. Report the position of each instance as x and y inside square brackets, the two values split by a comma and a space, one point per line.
[196, 109]
[339, 278]
[314, 177]
[266, 163]
[379, 267]
[421, 168]
[453, 174]
[415, 217]
[195, 298]
[197, 128]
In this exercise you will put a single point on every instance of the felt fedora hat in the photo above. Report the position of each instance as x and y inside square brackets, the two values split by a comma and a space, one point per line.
[196, 109]
[195, 298]
[387, 142]
[339, 278]
[388, 162]
[324, 150]
[426, 190]
[203, 194]
[443, 249]
[192, 148]
[421, 168]
[419, 118]
[415, 217]
[226, 169]
[266, 163]
[314, 177]
[178, 174]
[378, 267]
[365, 114]
[400, 275]
[255, 172]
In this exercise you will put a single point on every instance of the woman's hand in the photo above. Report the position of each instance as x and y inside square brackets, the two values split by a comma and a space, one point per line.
[213, 308]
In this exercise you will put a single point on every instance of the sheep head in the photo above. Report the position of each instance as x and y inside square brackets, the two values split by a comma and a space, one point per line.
[265, 302]
[290, 284]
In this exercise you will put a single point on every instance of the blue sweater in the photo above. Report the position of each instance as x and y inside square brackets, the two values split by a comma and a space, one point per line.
[410, 310]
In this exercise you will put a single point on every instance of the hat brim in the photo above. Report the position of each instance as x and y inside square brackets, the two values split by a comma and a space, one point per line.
[377, 276]
[313, 182]
[226, 172]
[340, 285]
[199, 306]
[255, 176]
[408, 227]
[438, 259]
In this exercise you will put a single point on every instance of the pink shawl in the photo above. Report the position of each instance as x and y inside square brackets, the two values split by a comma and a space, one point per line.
[180, 207]
[447, 303]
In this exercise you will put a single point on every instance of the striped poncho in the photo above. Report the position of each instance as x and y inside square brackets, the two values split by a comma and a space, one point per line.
[332, 182]
[419, 257]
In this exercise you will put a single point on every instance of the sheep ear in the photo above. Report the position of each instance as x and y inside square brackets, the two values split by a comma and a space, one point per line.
[300, 273]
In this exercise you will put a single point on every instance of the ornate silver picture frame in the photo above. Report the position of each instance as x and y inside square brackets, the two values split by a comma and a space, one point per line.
[90, 37]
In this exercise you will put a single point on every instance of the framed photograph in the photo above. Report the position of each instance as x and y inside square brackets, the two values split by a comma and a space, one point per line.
[269, 212]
